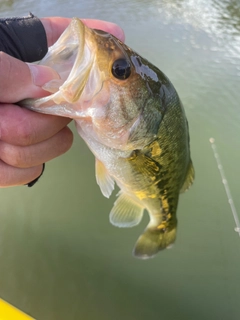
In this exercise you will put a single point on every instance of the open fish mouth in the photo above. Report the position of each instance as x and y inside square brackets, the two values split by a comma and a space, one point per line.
[72, 57]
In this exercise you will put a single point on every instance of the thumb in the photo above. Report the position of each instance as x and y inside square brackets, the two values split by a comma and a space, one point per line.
[19, 80]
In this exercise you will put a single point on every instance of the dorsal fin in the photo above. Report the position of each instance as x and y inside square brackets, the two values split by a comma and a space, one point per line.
[126, 212]
[189, 178]
[104, 180]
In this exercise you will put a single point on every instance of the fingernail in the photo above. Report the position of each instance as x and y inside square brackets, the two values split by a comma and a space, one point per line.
[42, 74]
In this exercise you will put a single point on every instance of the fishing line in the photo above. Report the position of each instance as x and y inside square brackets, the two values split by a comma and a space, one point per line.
[226, 186]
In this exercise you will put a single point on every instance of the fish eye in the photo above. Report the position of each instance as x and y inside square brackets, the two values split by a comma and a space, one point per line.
[121, 69]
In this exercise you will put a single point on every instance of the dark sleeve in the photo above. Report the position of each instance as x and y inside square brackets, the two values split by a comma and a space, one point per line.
[23, 38]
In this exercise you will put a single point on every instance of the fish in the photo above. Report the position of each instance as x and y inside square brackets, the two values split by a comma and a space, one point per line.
[132, 119]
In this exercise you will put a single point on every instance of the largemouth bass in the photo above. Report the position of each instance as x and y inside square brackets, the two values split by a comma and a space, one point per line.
[133, 121]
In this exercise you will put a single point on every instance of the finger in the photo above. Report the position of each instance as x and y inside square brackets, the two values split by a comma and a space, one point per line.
[105, 26]
[19, 80]
[54, 27]
[34, 155]
[12, 176]
[22, 127]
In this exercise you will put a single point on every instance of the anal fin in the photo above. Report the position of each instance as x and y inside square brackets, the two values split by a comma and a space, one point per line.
[126, 212]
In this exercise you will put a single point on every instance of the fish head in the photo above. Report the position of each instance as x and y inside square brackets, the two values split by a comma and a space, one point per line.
[115, 95]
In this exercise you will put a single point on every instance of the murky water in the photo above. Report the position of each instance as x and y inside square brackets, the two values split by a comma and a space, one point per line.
[59, 256]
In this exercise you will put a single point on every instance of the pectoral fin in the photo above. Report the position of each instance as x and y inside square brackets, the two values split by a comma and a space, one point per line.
[104, 180]
[126, 212]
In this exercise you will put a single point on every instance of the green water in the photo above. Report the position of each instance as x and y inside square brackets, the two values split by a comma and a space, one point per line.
[60, 259]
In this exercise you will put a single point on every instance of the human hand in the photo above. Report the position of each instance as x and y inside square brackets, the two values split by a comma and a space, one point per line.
[29, 139]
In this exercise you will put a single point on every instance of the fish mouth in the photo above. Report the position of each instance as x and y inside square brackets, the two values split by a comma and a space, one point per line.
[72, 57]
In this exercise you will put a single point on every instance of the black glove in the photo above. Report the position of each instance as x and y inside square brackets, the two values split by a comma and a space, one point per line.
[23, 38]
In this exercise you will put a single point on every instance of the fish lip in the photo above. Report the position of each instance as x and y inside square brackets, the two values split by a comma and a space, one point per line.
[71, 91]
[71, 42]
[72, 58]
